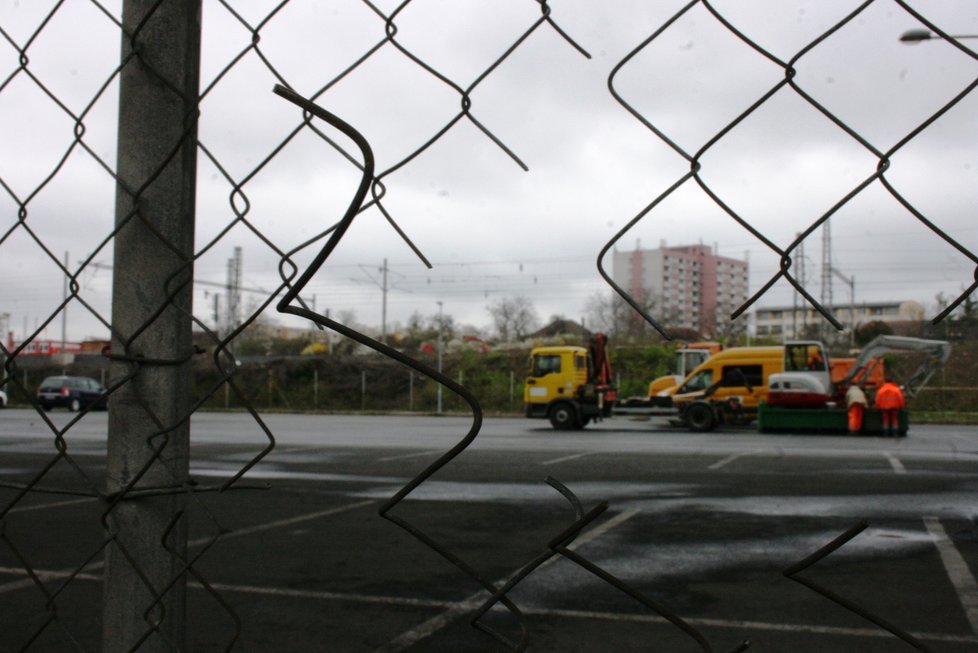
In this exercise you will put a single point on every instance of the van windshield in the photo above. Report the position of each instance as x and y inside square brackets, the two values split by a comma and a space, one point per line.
[699, 381]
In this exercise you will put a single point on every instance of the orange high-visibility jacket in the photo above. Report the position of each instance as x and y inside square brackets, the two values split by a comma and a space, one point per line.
[890, 397]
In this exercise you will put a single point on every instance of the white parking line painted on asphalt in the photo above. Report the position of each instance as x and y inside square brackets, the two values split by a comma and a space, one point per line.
[46, 575]
[562, 459]
[473, 602]
[895, 463]
[746, 627]
[97, 566]
[957, 570]
[257, 528]
[729, 459]
[405, 456]
[42, 575]
[456, 610]
[54, 504]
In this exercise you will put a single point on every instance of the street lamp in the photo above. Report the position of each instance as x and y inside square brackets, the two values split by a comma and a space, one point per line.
[440, 327]
[852, 304]
[5, 321]
[918, 35]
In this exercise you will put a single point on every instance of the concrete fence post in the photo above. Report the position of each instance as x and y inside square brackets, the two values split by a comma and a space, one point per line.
[144, 601]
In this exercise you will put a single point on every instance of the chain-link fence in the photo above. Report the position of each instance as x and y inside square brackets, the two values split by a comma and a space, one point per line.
[184, 182]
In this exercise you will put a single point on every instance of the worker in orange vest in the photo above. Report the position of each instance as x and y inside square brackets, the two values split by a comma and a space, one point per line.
[856, 405]
[889, 400]
[815, 361]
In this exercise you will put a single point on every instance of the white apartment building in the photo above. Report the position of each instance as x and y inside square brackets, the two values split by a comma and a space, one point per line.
[690, 285]
[789, 322]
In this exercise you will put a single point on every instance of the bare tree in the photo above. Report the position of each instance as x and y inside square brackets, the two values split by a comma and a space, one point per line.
[608, 312]
[728, 330]
[513, 317]
[604, 313]
[442, 322]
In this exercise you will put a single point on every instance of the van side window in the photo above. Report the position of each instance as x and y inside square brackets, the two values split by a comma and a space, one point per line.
[580, 362]
[544, 364]
[739, 376]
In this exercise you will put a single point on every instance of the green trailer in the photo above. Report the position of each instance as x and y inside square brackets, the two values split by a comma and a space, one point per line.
[830, 420]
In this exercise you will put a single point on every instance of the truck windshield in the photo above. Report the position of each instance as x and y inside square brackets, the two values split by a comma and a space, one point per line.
[544, 364]
[688, 360]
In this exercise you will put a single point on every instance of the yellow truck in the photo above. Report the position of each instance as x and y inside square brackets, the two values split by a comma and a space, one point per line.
[570, 385]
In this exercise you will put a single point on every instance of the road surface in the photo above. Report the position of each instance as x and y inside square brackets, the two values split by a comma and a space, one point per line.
[698, 529]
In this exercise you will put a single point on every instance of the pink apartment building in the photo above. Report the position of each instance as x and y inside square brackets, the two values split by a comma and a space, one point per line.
[689, 285]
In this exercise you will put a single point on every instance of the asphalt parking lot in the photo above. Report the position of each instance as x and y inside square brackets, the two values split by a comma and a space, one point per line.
[699, 527]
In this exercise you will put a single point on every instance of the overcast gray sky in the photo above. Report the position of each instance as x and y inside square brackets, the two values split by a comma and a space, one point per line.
[491, 229]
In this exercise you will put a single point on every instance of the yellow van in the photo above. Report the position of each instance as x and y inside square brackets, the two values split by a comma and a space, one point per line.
[729, 385]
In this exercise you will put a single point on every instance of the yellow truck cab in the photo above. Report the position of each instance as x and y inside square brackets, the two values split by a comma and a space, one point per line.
[569, 385]
[729, 386]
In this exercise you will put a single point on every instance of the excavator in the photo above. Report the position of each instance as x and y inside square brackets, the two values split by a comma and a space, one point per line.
[792, 388]
[798, 401]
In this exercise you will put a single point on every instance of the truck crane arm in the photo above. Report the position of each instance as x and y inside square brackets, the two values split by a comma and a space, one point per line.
[600, 368]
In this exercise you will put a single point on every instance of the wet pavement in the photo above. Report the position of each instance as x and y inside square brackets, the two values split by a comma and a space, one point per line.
[700, 525]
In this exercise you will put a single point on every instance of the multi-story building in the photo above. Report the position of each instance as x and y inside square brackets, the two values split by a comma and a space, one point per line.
[788, 322]
[687, 286]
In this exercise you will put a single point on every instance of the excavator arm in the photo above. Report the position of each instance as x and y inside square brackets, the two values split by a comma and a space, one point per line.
[937, 352]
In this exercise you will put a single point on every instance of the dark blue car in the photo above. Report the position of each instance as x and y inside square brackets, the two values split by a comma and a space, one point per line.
[71, 392]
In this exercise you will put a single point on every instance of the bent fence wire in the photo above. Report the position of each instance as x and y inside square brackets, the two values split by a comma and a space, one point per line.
[147, 491]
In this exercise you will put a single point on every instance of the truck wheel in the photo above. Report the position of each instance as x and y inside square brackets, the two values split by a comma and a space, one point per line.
[700, 417]
[563, 417]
